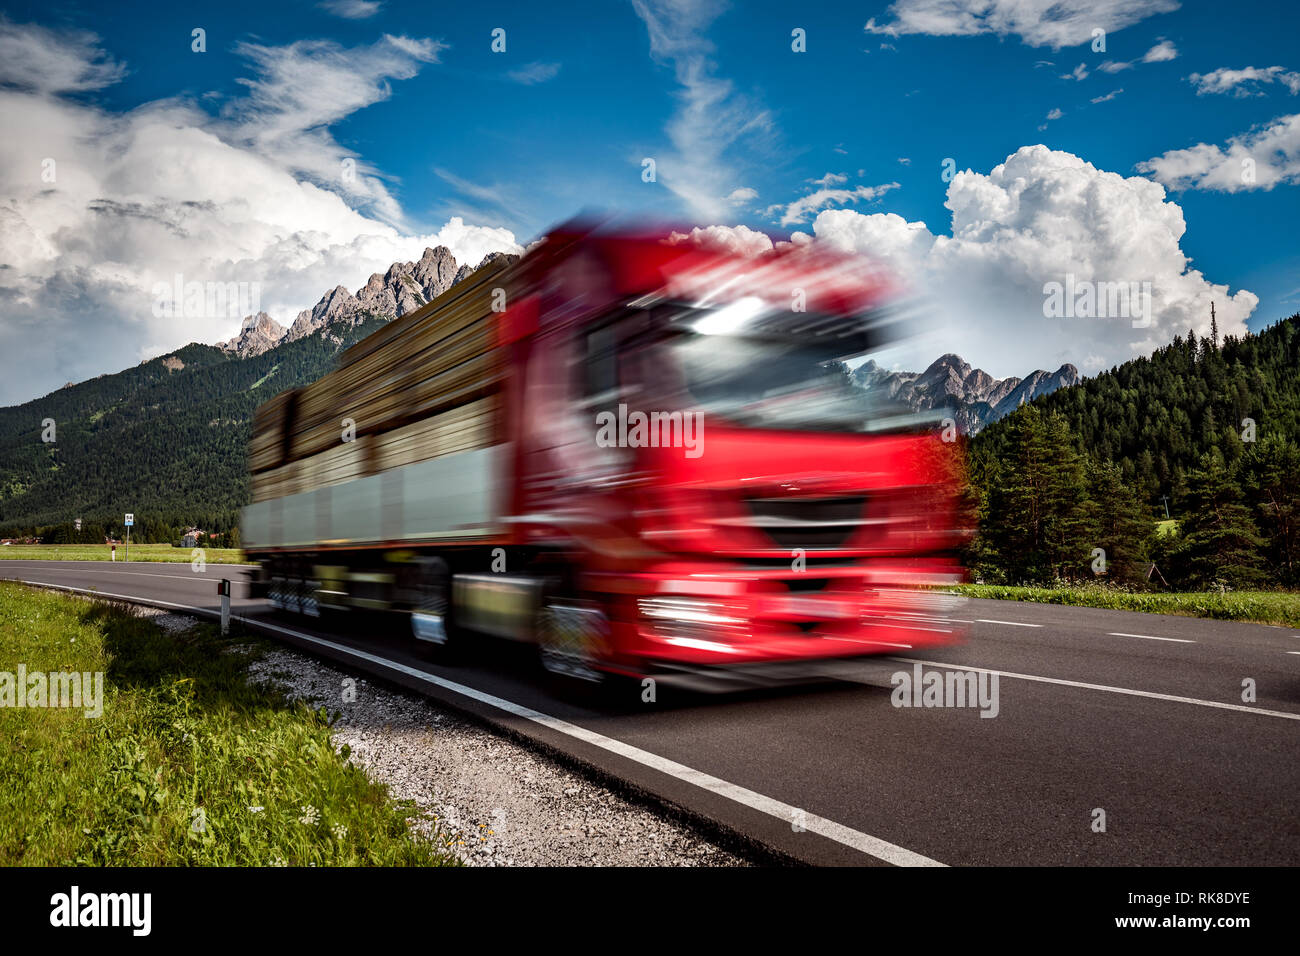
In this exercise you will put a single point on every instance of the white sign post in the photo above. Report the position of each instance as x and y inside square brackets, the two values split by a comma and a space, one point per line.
[130, 520]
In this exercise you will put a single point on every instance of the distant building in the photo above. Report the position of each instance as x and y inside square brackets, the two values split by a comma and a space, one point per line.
[192, 537]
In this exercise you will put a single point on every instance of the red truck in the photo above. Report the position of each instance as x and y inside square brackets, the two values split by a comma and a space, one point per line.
[647, 458]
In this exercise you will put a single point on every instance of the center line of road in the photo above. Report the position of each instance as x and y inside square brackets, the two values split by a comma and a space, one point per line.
[855, 839]
[1148, 637]
[1110, 690]
[984, 620]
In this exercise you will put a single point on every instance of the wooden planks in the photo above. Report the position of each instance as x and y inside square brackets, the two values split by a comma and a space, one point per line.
[421, 387]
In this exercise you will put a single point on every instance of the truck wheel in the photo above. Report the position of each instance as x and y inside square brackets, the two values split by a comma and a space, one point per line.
[431, 616]
[569, 633]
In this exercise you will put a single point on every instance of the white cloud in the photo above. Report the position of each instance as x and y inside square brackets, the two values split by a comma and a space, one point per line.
[1108, 97]
[39, 60]
[742, 195]
[1260, 159]
[711, 117]
[1054, 23]
[534, 73]
[1244, 82]
[739, 240]
[298, 91]
[1080, 72]
[830, 179]
[1034, 219]
[799, 210]
[1162, 52]
[252, 195]
[351, 9]
[1055, 114]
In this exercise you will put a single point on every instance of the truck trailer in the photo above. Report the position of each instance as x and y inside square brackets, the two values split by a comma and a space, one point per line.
[644, 457]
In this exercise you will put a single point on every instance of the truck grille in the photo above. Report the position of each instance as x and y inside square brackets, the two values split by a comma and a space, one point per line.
[810, 523]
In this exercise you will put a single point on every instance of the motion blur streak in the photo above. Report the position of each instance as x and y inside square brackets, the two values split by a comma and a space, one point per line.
[647, 458]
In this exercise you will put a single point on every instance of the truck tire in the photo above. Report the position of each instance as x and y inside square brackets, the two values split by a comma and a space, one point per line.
[431, 624]
[569, 631]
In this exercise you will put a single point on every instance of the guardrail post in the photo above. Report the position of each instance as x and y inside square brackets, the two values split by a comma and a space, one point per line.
[224, 590]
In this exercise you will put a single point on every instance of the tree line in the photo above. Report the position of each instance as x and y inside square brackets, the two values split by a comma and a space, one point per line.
[1075, 485]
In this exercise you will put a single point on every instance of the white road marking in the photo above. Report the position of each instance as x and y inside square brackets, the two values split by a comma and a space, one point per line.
[855, 839]
[982, 620]
[136, 574]
[1293, 652]
[1148, 637]
[1110, 690]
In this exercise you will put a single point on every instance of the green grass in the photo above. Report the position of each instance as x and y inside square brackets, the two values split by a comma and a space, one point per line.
[101, 552]
[1166, 527]
[184, 737]
[1264, 607]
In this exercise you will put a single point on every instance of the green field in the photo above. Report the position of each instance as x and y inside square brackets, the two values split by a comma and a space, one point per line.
[1264, 607]
[189, 764]
[101, 552]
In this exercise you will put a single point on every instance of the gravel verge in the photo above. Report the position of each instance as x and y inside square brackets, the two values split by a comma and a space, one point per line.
[498, 802]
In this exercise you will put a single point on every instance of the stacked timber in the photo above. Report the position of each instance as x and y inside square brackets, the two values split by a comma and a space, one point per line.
[422, 386]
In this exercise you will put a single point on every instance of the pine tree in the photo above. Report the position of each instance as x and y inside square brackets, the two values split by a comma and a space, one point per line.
[1271, 474]
[1220, 544]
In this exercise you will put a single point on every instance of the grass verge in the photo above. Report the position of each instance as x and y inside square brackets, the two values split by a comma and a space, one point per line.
[189, 764]
[1264, 607]
[101, 552]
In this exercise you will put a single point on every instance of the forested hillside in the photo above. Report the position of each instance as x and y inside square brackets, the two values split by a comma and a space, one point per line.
[1212, 429]
[166, 440]
[1155, 417]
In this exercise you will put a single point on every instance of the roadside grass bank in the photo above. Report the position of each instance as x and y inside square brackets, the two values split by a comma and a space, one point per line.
[190, 764]
[1263, 607]
[101, 552]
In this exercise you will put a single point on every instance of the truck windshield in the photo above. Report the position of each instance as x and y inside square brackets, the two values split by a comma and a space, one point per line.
[759, 382]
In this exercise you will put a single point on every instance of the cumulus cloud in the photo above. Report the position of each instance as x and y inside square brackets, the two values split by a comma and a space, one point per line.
[1040, 217]
[1037, 218]
[737, 240]
[1054, 23]
[100, 207]
[1259, 159]
[738, 197]
[1162, 52]
[1244, 82]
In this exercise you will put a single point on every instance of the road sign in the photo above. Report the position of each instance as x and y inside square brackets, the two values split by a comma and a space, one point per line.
[130, 520]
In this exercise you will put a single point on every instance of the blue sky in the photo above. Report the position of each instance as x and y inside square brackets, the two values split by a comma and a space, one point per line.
[740, 126]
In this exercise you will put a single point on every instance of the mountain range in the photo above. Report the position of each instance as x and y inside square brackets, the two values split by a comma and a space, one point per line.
[403, 288]
[974, 397]
[168, 439]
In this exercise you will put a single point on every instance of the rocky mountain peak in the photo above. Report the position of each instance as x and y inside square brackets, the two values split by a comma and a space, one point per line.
[257, 333]
[974, 396]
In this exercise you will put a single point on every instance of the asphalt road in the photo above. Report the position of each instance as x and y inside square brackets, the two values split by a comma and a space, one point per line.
[1140, 716]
